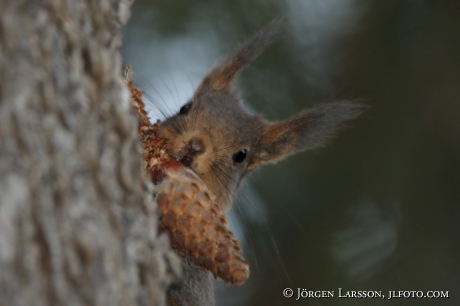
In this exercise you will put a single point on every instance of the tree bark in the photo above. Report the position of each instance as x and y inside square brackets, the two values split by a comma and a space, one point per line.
[78, 224]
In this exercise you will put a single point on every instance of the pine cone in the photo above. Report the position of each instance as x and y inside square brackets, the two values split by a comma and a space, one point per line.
[196, 225]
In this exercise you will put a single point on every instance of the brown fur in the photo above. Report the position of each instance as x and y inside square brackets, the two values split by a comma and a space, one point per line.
[217, 127]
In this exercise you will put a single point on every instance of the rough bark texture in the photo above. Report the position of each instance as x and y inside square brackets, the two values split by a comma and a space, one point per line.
[78, 225]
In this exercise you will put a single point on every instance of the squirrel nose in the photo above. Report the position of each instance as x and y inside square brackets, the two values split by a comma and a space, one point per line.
[195, 147]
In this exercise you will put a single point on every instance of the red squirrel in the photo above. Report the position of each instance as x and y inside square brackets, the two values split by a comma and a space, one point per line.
[221, 142]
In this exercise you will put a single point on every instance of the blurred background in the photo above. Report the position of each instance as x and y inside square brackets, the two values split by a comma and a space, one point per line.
[376, 209]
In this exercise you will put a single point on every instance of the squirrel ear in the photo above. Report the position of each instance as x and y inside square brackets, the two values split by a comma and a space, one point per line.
[221, 77]
[304, 131]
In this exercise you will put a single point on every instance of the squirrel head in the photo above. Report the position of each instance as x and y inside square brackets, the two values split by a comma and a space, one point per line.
[221, 142]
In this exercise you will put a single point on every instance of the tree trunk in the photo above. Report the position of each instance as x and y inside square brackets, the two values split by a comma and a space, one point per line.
[78, 224]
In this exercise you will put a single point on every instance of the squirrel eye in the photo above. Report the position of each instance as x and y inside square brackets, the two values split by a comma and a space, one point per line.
[240, 156]
[185, 108]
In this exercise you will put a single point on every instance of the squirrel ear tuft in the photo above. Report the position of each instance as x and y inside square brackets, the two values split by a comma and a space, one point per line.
[221, 77]
[307, 130]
